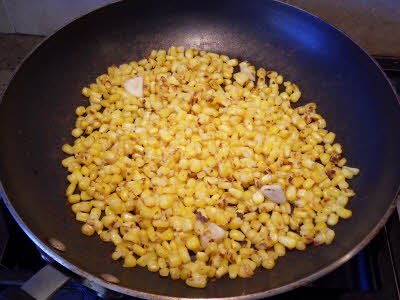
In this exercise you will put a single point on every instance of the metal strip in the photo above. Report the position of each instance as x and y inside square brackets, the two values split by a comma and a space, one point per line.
[396, 280]
[44, 283]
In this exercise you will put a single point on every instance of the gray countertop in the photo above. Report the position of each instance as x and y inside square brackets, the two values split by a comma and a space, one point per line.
[373, 24]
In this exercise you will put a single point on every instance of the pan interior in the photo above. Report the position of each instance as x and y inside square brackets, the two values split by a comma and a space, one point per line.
[37, 114]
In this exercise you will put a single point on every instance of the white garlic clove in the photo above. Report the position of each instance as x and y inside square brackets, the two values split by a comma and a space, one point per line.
[216, 233]
[134, 86]
[274, 192]
[213, 233]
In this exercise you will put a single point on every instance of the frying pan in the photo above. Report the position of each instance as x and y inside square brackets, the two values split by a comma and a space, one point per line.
[352, 93]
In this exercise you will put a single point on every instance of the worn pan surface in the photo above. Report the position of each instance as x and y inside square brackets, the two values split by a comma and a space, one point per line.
[37, 114]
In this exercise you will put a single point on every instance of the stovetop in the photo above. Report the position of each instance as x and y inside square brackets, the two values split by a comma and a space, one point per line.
[373, 274]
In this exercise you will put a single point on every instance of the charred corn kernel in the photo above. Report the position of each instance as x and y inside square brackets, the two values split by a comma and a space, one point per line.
[324, 158]
[180, 168]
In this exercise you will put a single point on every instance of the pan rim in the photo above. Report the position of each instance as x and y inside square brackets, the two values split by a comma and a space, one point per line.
[136, 293]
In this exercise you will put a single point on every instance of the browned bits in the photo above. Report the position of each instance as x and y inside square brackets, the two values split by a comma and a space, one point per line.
[57, 244]
[331, 173]
[336, 157]
[110, 278]
[201, 218]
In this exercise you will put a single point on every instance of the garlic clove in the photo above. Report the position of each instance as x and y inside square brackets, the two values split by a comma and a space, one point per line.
[216, 232]
[274, 192]
[213, 233]
[134, 86]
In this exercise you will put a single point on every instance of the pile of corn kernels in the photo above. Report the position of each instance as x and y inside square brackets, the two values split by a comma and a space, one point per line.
[196, 169]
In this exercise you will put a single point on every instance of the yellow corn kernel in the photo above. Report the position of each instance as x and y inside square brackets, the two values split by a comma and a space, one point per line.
[197, 281]
[138, 250]
[74, 198]
[344, 213]
[129, 261]
[70, 189]
[153, 266]
[87, 230]
[332, 219]
[279, 249]
[257, 198]
[288, 242]
[308, 183]
[233, 271]
[81, 207]
[82, 217]
[268, 263]
[174, 260]
[193, 243]
[68, 149]
[236, 235]
[164, 272]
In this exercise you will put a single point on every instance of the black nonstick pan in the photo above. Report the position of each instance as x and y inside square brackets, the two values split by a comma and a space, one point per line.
[352, 93]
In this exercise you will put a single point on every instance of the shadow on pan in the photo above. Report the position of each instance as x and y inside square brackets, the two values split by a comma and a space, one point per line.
[37, 114]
